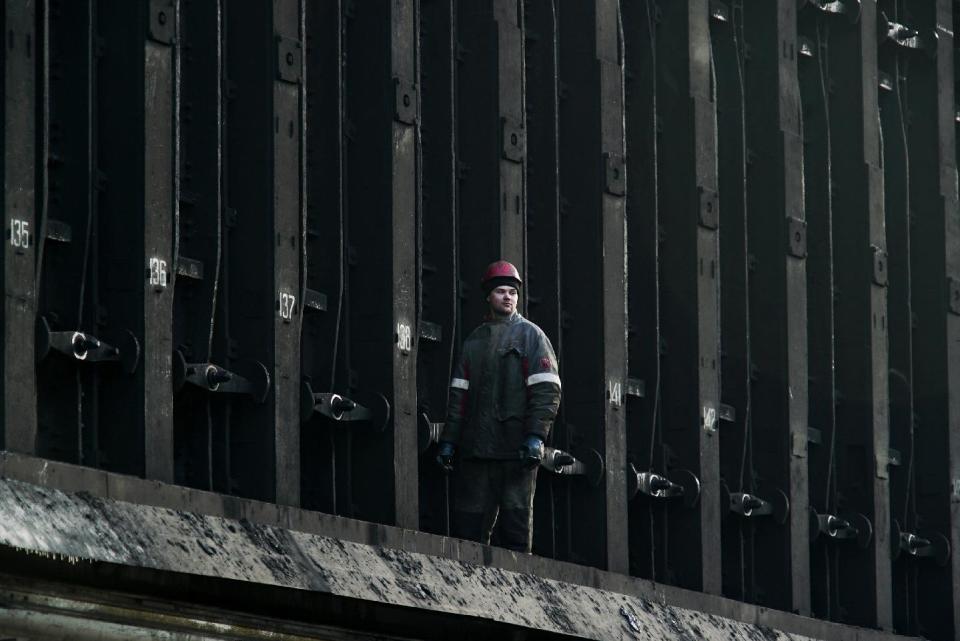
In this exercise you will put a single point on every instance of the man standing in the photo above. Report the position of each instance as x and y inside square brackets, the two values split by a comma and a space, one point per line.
[504, 397]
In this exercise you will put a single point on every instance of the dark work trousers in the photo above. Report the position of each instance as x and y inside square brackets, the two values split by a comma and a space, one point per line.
[493, 493]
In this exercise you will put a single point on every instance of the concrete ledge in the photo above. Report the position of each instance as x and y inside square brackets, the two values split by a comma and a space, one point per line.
[84, 514]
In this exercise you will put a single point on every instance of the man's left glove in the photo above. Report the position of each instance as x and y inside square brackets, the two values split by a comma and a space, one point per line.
[531, 452]
[445, 456]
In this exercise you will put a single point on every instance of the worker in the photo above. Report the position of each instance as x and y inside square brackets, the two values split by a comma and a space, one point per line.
[504, 397]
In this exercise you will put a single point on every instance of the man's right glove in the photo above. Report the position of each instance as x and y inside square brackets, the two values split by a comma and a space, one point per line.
[445, 456]
[531, 452]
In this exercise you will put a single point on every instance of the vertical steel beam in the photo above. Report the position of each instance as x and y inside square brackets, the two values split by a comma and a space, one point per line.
[19, 414]
[321, 444]
[644, 414]
[593, 185]
[404, 49]
[439, 300]
[689, 297]
[383, 107]
[861, 315]
[160, 92]
[776, 230]
[264, 62]
[508, 15]
[935, 291]
[136, 95]
[552, 516]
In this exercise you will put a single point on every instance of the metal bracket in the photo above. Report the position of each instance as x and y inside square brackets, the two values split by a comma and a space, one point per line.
[289, 60]
[856, 527]
[906, 37]
[797, 237]
[953, 294]
[189, 268]
[254, 381]
[933, 546]
[719, 11]
[404, 101]
[432, 332]
[80, 346]
[59, 231]
[879, 267]
[681, 484]
[317, 301]
[563, 463]
[368, 407]
[749, 505]
[635, 387]
[161, 27]
[806, 48]
[513, 143]
[849, 8]
[709, 208]
[615, 174]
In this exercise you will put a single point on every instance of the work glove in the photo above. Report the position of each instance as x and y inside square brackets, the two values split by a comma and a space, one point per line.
[445, 456]
[531, 452]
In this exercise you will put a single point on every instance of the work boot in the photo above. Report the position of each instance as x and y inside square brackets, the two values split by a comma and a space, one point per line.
[515, 527]
[468, 525]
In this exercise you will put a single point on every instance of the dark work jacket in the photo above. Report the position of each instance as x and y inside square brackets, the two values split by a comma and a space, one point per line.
[505, 387]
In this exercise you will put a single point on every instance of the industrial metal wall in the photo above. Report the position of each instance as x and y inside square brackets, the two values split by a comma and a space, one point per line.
[243, 243]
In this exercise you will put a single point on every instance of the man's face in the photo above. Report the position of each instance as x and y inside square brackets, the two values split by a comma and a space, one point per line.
[503, 300]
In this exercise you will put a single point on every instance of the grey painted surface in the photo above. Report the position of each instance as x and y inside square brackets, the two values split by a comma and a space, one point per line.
[81, 527]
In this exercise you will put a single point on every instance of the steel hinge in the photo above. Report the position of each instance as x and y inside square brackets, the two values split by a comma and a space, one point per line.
[953, 294]
[879, 267]
[513, 145]
[709, 208]
[162, 24]
[615, 178]
[289, 60]
[404, 101]
[797, 237]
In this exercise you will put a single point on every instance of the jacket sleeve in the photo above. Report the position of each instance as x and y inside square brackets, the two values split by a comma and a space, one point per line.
[457, 403]
[543, 386]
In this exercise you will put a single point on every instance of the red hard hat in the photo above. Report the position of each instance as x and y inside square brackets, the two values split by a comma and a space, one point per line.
[499, 269]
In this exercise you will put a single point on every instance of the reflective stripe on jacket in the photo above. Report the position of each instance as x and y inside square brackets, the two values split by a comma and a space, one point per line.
[505, 386]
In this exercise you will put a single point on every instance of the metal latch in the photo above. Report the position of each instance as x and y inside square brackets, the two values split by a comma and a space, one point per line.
[933, 545]
[854, 527]
[81, 346]
[906, 37]
[748, 505]
[681, 484]
[367, 407]
[560, 462]
[253, 379]
[849, 8]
